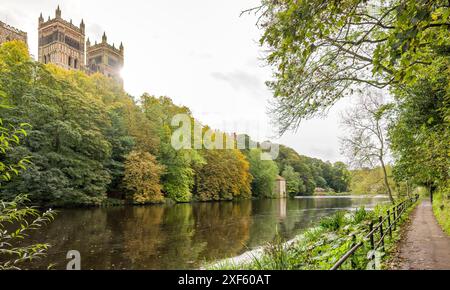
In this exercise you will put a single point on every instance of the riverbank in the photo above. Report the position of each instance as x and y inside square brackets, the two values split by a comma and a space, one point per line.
[332, 193]
[319, 247]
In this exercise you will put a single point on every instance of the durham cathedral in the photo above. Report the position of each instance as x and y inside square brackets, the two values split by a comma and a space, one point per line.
[62, 43]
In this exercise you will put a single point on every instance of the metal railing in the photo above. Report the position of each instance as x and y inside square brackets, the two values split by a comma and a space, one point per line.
[391, 219]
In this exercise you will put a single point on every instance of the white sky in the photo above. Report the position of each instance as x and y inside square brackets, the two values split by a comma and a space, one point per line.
[198, 52]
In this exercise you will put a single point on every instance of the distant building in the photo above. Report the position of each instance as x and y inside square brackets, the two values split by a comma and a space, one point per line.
[105, 59]
[61, 42]
[280, 187]
[9, 33]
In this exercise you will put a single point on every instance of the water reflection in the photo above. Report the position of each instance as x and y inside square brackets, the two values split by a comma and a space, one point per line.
[181, 236]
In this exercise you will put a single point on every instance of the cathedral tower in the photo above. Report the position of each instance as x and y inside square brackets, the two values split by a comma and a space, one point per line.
[105, 59]
[61, 42]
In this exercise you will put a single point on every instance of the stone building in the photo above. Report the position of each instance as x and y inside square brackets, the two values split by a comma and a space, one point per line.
[280, 187]
[105, 59]
[9, 33]
[61, 42]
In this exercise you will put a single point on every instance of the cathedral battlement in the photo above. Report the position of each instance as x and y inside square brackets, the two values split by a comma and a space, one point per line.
[12, 29]
[105, 58]
[9, 33]
[104, 44]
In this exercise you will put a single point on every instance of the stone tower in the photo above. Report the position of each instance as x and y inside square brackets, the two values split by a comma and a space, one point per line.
[105, 59]
[61, 42]
[9, 33]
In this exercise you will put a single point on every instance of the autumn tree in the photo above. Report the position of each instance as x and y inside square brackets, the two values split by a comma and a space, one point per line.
[142, 177]
[224, 176]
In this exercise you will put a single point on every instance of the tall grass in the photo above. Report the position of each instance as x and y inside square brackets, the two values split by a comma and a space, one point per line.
[441, 208]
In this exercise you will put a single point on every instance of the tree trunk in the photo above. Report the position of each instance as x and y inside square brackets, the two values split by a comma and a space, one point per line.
[386, 181]
[432, 190]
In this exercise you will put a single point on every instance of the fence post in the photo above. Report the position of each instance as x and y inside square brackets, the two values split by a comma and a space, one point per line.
[389, 223]
[372, 243]
[395, 218]
[381, 232]
[353, 262]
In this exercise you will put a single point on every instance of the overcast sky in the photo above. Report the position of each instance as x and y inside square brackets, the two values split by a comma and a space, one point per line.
[198, 52]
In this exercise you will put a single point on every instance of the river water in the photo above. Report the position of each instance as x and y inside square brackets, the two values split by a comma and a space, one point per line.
[181, 236]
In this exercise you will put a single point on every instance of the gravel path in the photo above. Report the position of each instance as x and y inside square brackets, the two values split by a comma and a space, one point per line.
[424, 245]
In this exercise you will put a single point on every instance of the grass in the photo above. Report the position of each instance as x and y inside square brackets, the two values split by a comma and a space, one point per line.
[320, 247]
[332, 193]
[441, 208]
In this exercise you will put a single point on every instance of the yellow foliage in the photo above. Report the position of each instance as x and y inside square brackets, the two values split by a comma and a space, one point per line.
[142, 177]
[224, 176]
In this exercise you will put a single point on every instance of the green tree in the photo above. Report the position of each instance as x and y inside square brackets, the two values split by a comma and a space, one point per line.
[16, 218]
[82, 127]
[340, 178]
[293, 181]
[264, 173]
[178, 178]
[369, 180]
[322, 50]
[419, 133]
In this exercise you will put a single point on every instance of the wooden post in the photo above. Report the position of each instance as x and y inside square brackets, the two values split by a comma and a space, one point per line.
[389, 223]
[353, 261]
[395, 218]
[372, 243]
[381, 232]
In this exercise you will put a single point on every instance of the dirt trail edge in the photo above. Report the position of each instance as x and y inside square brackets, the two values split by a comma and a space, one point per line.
[424, 245]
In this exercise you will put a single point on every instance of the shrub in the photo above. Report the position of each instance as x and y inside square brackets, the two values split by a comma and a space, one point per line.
[16, 221]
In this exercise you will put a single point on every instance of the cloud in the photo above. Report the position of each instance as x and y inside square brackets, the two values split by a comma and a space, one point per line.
[10, 17]
[242, 81]
[95, 31]
[199, 55]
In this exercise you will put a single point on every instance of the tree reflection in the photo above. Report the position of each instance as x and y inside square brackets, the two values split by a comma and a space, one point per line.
[181, 236]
